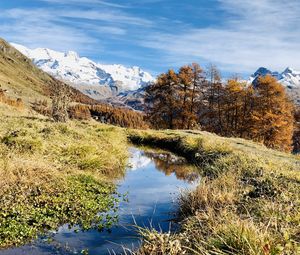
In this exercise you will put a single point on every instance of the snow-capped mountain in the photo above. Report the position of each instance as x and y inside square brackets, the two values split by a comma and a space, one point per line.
[289, 78]
[96, 80]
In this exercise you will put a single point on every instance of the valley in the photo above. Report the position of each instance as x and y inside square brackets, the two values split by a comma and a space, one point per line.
[200, 171]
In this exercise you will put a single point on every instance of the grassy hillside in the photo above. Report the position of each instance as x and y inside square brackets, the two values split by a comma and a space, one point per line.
[52, 173]
[21, 79]
[247, 203]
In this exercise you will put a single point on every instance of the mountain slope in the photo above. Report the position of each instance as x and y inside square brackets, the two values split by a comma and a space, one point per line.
[96, 80]
[289, 78]
[20, 78]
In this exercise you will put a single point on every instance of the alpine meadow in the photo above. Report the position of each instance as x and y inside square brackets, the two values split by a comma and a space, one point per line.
[142, 128]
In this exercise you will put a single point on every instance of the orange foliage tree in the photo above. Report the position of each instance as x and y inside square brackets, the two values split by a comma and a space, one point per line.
[272, 120]
[188, 99]
[80, 111]
[172, 102]
[118, 116]
[296, 136]
[162, 101]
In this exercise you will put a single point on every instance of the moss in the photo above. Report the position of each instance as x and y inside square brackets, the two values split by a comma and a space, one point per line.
[52, 174]
[78, 201]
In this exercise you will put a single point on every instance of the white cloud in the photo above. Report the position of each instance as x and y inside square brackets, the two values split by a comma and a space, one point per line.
[86, 2]
[107, 16]
[38, 28]
[255, 33]
[66, 29]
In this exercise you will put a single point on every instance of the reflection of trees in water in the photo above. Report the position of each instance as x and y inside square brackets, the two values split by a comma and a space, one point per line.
[169, 163]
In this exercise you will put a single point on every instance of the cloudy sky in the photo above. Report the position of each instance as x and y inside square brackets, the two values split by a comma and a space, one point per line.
[236, 35]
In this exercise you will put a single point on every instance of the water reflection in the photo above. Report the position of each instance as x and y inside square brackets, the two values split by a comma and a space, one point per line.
[169, 163]
[138, 159]
[152, 181]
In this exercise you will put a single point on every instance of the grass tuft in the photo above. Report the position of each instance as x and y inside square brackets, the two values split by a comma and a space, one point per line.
[52, 174]
[247, 202]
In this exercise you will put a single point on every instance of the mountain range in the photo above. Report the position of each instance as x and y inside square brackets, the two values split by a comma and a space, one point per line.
[289, 78]
[20, 78]
[99, 81]
[122, 85]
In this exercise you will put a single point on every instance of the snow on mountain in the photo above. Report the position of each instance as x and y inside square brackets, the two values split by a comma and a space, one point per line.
[97, 80]
[289, 78]
[134, 78]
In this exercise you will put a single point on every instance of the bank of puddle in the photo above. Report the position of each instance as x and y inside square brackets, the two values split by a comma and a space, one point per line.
[150, 187]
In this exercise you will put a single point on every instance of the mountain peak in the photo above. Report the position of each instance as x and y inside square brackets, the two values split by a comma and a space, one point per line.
[290, 78]
[262, 71]
[87, 75]
[72, 54]
[289, 70]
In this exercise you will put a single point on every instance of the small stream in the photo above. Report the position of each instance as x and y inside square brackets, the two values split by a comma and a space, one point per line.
[152, 184]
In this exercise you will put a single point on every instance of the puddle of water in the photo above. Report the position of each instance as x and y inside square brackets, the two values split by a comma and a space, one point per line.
[153, 183]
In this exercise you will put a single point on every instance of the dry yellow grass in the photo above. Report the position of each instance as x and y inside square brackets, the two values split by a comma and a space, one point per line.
[247, 202]
[53, 173]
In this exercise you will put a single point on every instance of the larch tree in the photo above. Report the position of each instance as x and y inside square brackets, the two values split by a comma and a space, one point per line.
[272, 120]
[190, 99]
[185, 77]
[214, 93]
[197, 94]
[163, 101]
[296, 136]
[232, 107]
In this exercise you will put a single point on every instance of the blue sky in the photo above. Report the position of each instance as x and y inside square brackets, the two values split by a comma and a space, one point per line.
[236, 35]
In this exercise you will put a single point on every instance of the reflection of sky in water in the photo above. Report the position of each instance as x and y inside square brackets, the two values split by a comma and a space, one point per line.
[151, 201]
[137, 160]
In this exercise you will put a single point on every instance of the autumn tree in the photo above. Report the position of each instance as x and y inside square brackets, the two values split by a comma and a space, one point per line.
[80, 111]
[296, 136]
[185, 79]
[211, 118]
[194, 95]
[234, 107]
[118, 116]
[272, 119]
[190, 99]
[163, 101]
[173, 100]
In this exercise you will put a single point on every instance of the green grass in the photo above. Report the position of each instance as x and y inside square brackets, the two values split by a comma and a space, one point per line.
[52, 173]
[20, 77]
[247, 202]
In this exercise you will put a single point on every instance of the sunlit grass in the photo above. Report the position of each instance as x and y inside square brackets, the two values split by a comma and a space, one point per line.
[247, 202]
[52, 173]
